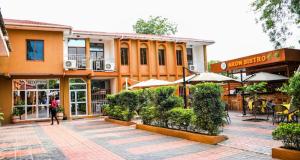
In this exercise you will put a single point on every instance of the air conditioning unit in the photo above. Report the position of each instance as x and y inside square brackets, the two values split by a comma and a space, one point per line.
[109, 67]
[70, 64]
[192, 67]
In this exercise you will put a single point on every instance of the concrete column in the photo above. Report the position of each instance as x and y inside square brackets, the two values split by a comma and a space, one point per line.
[87, 53]
[65, 95]
[205, 58]
[89, 96]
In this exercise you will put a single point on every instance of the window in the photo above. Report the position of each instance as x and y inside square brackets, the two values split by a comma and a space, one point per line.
[124, 56]
[179, 57]
[189, 52]
[31, 97]
[76, 51]
[161, 57]
[35, 50]
[143, 56]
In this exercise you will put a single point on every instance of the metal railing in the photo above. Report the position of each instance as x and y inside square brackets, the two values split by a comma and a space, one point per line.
[98, 100]
[95, 64]
[80, 61]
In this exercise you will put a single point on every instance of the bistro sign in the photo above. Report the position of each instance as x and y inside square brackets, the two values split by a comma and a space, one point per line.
[248, 61]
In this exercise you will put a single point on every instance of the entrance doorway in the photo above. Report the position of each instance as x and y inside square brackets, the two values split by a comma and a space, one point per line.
[97, 56]
[78, 94]
[31, 97]
[100, 89]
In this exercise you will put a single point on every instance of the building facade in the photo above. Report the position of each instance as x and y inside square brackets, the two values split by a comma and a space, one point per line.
[81, 67]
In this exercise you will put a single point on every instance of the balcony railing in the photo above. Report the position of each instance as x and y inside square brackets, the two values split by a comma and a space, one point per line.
[80, 61]
[96, 64]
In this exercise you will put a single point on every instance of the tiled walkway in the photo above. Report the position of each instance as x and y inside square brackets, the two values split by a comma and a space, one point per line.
[96, 139]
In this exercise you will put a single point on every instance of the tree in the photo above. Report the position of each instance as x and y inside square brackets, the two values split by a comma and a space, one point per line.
[279, 18]
[155, 25]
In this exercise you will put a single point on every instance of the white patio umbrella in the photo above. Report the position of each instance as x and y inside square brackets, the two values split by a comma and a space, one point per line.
[186, 79]
[151, 83]
[264, 76]
[207, 77]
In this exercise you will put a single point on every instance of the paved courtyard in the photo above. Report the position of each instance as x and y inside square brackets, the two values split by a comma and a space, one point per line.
[96, 139]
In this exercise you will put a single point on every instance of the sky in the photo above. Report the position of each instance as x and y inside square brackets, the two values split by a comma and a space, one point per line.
[231, 23]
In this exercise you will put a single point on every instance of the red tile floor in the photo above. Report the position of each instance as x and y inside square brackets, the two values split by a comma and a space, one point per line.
[96, 139]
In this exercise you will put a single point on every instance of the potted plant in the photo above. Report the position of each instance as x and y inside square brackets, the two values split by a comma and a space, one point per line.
[289, 134]
[16, 115]
[1, 117]
[60, 112]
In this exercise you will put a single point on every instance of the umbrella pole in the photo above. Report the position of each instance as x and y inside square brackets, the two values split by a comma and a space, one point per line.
[243, 97]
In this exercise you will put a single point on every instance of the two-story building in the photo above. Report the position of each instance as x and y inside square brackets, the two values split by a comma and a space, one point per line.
[81, 67]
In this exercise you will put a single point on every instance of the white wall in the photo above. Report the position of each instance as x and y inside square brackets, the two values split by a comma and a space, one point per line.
[109, 55]
[198, 58]
[65, 51]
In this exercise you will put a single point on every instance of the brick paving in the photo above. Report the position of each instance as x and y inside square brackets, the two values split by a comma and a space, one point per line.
[96, 139]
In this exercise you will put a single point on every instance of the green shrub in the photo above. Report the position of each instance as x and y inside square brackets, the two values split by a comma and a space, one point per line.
[294, 90]
[180, 117]
[208, 108]
[148, 114]
[145, 98]
[289, 134]
[118, 112]
[165, 100]
[121, 106]
[111, 100]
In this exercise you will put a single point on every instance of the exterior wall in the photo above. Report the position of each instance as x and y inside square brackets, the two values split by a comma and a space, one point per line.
[6, 98]
[17, 62]
[135, 72]
[56, 51]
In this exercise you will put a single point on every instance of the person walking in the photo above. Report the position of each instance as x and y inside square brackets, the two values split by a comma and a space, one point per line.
[53, 109]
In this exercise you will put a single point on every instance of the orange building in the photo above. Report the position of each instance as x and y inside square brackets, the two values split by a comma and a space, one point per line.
[81, 67]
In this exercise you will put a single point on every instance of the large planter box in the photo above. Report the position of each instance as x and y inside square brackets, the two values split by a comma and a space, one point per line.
[285, 154]
[60, 115]
[183, 134]
[123, 123]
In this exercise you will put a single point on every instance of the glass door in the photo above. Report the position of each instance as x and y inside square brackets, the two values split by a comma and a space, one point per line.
[78, 100]
[97, 56]
[43, 104]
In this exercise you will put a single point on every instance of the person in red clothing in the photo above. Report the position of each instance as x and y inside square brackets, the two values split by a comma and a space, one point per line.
[53, 109]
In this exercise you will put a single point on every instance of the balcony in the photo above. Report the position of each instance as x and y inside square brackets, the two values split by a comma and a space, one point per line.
[81, 62]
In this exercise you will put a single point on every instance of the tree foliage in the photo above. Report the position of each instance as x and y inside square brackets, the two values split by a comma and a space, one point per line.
[278, 17]
[155, 25]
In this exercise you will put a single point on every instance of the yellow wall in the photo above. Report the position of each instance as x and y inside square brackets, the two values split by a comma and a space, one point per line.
[17, 62]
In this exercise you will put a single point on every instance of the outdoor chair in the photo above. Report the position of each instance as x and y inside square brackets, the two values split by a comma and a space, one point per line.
[227, 114]
[279, 113]
[293, 115]
[257, 106]
[269, 108]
